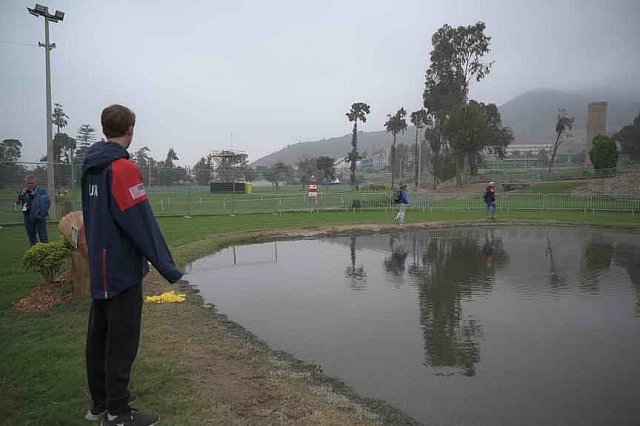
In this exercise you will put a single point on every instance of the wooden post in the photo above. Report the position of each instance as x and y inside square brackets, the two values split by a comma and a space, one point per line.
[79, 256]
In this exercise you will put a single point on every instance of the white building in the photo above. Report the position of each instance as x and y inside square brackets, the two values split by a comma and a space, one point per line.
[373, 162]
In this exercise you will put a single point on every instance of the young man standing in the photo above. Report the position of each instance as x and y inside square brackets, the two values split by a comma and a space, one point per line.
[35, 204]
[403, 200]
[122, 235]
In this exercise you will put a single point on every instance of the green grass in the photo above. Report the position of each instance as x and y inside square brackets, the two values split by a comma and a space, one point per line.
[181, 201]
[563, 187]
[42, 376]
[167, 201]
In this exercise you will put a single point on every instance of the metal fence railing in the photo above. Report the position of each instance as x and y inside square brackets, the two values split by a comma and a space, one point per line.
[180, 202]
[186, 198]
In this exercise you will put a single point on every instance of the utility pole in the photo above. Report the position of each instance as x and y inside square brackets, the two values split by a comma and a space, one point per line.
[419, 127]
[43, 11]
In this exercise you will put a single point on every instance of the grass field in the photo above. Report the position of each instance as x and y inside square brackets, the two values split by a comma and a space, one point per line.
[42, 378]
[194, 201]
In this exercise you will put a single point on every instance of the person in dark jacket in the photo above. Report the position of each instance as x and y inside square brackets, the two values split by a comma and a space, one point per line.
[122, 234]
[35, 204]
[490, 200]
[403, 200]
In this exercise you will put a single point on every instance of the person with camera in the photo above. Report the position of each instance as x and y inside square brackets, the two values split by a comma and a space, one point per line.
[34, 203]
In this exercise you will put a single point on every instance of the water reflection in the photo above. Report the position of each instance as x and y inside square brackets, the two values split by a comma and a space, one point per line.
[452, 269]
[456, 326]
[394, 265]
[628, 257]
[597, 254]
[356, 274]
[557, 277]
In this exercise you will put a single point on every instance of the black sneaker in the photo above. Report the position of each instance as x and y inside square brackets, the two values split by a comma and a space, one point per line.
[133, 418]
[97, 413]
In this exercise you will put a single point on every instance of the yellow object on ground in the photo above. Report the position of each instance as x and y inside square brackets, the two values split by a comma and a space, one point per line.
[168, 297]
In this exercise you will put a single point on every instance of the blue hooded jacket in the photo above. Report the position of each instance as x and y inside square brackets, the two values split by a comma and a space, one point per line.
[39, 208]
[37, 203]
[120, 228]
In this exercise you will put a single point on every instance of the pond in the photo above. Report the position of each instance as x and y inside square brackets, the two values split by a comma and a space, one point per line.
[471, 326]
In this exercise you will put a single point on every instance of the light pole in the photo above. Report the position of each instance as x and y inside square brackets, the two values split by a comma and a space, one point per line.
[419, 127]
[43, 11]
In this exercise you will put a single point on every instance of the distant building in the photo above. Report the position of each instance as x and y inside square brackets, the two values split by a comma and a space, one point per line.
[373, 163]
[529, 148]
[341, 165]
[596, 122]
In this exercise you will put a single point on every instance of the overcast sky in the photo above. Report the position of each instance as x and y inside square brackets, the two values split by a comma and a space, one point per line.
[279, 72]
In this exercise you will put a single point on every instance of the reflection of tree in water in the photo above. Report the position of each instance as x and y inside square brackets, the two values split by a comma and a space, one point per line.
[453, 269]
[356, 273]
[628, 256]
[557, 279]
[395, 265]
[597, 255]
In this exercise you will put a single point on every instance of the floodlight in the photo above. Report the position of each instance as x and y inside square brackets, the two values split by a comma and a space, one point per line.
[42, 10]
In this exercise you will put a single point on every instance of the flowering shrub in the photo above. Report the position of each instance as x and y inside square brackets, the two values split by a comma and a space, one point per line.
[49, 259]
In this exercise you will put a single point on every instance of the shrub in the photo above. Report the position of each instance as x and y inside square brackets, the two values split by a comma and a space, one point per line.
[49, 259]
[604, 153]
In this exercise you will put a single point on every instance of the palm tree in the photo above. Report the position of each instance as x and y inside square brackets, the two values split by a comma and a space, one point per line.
[394, 125]
[563, 124]
[418, 119]
[359, 111]
[59, 118]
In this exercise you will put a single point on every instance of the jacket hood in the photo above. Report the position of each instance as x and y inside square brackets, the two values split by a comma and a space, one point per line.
[101, 154]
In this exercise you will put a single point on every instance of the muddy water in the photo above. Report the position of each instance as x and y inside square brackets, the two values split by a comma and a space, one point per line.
[485, 326]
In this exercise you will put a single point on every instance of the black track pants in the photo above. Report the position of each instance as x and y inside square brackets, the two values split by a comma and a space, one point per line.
[112, 344]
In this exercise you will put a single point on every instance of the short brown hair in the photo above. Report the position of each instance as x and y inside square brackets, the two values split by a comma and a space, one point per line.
[116, 120]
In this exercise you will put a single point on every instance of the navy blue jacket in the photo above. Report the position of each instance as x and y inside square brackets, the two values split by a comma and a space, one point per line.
[37, 202]
[490, 195]
[40, 204]
[119, 224]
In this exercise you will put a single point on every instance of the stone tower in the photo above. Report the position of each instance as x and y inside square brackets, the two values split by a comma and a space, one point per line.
[596, 123]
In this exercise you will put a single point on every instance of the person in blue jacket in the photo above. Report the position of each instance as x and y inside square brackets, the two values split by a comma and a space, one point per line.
[35, 204]
[403, 201]
[122, 235]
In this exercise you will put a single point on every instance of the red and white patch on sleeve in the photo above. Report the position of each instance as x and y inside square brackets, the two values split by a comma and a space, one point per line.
[126, 184]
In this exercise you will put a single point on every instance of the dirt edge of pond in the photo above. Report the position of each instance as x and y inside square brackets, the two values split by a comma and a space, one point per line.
[239, 379]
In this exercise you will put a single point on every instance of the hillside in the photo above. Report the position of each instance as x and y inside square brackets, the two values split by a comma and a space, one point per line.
[338, 147]
[531, 116]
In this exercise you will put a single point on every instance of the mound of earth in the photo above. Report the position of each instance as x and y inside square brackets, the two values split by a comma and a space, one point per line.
[46, 296]
[628, 184]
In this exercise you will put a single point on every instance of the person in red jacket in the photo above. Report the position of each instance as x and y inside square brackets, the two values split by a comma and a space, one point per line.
[122, 235]
[490, 200]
